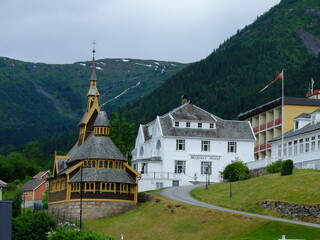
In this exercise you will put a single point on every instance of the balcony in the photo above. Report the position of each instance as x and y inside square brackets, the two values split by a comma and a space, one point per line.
[161, 175]
[278, 121]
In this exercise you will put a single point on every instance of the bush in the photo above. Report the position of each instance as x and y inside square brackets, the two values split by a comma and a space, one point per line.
[70, 234]
[32, 226]
[237, 170]
[287, 167]
[275, 167]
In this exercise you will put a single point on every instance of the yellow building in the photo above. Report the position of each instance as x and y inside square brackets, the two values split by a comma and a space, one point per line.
[94, 179]
[267, 122]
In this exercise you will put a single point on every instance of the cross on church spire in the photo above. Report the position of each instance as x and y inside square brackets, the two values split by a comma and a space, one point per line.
[93, 49]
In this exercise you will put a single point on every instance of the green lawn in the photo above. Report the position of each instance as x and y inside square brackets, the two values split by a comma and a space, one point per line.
[303, 187]
[166, 220]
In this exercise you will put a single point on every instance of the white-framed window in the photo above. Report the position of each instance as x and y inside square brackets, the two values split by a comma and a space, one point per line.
[206, 168]
[285, 149]
[313, 143]
[176, 124]
[301, 146]
[295, 147]
[141, 151]
[199, 125]
[135, 166]
[318, 142]
[144, 168]
[158, 146]
[290, 149]
[159, 185]
[232, 147]
[187, 124]
[179, 166]
[180, 144]
[212, 125]
[205, 146]
[307, 149]
[279, 150]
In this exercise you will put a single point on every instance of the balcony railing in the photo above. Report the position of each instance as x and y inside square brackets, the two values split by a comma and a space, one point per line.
[161, 175]
[267, 125]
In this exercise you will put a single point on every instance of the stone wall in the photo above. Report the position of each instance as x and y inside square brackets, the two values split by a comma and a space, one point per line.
[258, 172]
[90, 209]
[293, 210]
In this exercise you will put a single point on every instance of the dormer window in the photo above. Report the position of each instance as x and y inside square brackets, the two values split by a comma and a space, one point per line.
[199, 125]
[187, 124]
[176, 124]
[212, 126]
[313, 120]
[296, 125]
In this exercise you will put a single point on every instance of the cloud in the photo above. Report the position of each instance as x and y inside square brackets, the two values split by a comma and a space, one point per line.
[61, 31]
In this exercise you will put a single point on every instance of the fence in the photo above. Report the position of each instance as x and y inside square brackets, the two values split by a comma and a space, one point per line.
[160, 175]
[262, 163]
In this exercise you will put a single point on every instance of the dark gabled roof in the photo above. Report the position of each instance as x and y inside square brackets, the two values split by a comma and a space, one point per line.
[102, 120]
[95, 147]
[303, 115]
[197, 114]
[277, 102]
[305, 129]
[33, 184]
[103, 175]
[224, 130]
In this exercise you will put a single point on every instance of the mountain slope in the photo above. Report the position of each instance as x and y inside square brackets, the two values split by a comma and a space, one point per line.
[40, 100]
[228, 81]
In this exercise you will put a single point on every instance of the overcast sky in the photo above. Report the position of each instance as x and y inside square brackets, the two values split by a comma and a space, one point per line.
[62, 31]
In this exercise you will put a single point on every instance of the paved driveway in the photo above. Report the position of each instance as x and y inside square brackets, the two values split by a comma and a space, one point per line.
[182, 194]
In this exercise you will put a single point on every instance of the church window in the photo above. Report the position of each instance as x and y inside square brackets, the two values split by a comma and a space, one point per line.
[123, 188]
[89, 186]
[107, 187]
[75, 187]
[105, 164]
[100, 164]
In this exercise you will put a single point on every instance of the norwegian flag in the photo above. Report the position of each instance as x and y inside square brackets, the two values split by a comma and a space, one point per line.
[277, 77]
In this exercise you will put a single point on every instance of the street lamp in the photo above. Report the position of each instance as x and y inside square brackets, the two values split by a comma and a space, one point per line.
[81, 189]
[230, 186]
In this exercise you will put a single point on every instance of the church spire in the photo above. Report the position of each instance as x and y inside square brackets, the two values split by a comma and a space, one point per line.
[93, 90]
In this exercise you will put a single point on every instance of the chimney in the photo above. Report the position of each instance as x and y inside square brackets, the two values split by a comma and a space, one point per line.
[184, 99]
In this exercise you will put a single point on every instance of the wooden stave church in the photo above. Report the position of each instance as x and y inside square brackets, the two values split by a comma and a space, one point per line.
[94, 178]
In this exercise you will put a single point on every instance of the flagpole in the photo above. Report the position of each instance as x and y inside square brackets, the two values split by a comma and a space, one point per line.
[282, 114]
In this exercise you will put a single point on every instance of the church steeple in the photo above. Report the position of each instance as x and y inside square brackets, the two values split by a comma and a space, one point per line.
[93, 90]
[87, 121]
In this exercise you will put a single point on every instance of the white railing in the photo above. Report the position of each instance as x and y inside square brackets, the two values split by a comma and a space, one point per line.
[161, 175]
[261, 163]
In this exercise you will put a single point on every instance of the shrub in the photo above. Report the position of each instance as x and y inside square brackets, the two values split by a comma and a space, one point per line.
[237, 170]
[32, 226]
[70, 234]
[275, 167]
[287, 167]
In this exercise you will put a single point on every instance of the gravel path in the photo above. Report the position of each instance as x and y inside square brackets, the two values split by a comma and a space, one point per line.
[182, 194]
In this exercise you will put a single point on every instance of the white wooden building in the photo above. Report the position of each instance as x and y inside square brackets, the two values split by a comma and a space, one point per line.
[302, 144]
[188, 145]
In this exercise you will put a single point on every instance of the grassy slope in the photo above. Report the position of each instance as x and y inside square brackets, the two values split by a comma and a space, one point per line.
[302, 187]
[167, 220]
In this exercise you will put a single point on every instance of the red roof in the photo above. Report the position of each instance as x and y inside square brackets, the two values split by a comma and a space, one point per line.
[41, 175]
